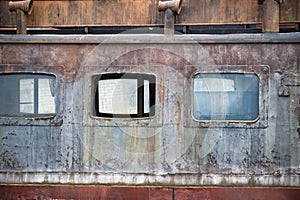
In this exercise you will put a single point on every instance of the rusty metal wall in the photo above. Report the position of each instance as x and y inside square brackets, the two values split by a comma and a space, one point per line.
[151, 192]
[171, 148]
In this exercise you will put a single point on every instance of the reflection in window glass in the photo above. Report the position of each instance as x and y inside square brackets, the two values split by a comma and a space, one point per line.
[146, 96]
[27, 95]
[46, 101]
[118, 96]
[226, 97]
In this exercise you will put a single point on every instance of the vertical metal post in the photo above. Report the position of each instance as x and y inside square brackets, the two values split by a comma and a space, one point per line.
[21, 22]
[270, 21]
[171, 8]
[169, 22]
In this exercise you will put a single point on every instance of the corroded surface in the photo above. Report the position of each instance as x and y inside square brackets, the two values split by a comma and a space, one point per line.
[147, 193]
[172, 147]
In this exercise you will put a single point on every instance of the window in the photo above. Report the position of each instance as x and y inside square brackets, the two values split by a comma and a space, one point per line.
[230, 97]
[27, 95]
[124, 95]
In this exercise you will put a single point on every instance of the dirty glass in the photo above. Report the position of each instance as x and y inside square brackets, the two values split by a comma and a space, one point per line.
[27, 95]
[146, 96]
[118, 96]
[124, 95]
[232, 97]
[46, 101]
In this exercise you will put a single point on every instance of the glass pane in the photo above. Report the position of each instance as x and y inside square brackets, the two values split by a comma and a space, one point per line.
[118, 96]
[146, 96]
[213, 84]
[46, 104]
[226, 96]
[27, 96]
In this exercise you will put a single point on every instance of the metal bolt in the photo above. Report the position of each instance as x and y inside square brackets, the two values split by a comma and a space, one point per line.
[283, 91]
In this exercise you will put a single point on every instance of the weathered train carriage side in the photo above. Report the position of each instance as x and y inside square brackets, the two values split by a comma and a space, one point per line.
[172, 147]
[72, 144]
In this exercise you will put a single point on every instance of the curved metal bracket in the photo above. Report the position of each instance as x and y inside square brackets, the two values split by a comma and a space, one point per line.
[26, 6]
[262, 1]
[174, 5]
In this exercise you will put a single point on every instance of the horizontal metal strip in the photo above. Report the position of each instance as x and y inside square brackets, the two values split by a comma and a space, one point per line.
[155, 38]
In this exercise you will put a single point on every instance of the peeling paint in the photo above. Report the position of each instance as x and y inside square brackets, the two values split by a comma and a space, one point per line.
[170, 148]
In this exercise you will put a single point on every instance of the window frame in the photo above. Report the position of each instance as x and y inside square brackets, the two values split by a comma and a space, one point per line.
[225, 120]
[140, 77]
[55, 119]
[262, 72]
[35, 77]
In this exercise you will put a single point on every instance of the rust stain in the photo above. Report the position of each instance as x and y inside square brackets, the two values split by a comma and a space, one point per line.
[151, 144]
[179, 113]
[153, 57]
[297, 112]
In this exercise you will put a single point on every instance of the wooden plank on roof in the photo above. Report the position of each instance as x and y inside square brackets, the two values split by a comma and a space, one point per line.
[47, 13]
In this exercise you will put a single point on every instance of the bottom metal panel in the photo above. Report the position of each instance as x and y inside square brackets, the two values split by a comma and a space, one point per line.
[143, 192]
